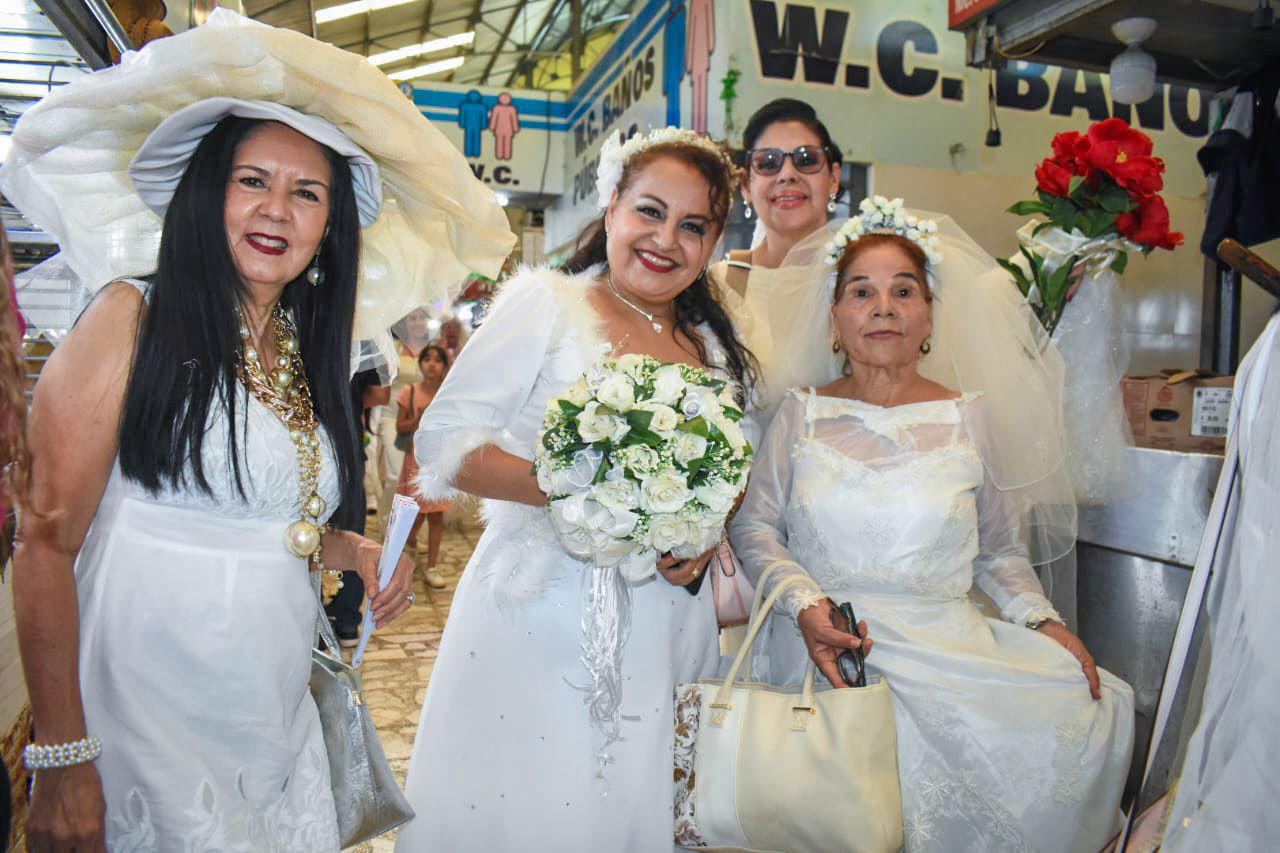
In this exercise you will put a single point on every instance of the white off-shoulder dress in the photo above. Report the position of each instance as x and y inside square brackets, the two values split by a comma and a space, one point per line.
[196, 630]
[1000, 745]
[506, 756]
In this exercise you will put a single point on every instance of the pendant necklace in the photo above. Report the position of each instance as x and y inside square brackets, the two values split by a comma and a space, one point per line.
[286, 393]
[657, 327]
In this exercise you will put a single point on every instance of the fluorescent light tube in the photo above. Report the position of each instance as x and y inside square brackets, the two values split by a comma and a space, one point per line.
[360, 7]
[413, 50]
[429, 68]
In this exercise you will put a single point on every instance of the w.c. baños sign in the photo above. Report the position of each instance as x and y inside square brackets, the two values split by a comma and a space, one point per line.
[887, 75]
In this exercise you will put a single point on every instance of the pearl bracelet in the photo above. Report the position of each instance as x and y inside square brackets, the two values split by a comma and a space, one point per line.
[43, 757]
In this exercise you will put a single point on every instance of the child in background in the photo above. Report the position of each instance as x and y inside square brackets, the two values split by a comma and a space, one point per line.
[433, 363]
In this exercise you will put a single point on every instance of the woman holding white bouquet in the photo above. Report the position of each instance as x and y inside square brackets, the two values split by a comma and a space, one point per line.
[547, 725]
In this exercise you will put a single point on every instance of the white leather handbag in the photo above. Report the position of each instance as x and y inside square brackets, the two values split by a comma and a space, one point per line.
[759, 767]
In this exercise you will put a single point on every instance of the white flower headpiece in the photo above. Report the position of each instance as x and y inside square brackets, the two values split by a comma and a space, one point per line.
[615, 154]
[879, 215]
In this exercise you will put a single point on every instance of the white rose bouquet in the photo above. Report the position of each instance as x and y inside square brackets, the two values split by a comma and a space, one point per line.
[640, 459]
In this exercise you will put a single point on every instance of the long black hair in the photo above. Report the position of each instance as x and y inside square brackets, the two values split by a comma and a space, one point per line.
[698, 303]
[189, 338]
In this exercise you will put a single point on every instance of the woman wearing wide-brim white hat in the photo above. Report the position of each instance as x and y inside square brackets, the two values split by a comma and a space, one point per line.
[193, 434]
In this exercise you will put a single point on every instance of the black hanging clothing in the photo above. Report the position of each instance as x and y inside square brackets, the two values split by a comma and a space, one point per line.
[1246, 202]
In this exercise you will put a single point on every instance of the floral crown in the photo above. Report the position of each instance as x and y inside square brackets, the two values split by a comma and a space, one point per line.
[879, 215]
[615, 155]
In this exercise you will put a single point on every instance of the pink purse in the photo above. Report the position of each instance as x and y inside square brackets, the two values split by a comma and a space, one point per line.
[733, 596]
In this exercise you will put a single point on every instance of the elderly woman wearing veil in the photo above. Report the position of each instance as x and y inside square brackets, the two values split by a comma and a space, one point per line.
[899, 486]
[193, 434]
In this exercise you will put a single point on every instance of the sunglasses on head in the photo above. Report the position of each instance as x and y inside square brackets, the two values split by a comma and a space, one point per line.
[807, 159]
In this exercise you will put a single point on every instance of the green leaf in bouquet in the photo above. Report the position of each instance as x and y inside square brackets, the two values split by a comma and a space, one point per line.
[1042, 227]
[697, 426]
[602, 473]
[639, 419]
[732, 414]
[1065, 213]
[1058, 283]
[695, 466]
[1019, 276]
[569, 409]
[642, 436]
[1098, 222]
[1076, 188]
[1036, 262]
[1028, 208]
[1116, 199]
[1120, 263]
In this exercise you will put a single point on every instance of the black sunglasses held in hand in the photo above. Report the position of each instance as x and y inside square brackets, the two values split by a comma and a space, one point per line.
[850, 662]
[808, 159]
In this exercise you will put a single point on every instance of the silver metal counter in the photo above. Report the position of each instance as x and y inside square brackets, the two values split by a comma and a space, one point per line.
[1134, 565]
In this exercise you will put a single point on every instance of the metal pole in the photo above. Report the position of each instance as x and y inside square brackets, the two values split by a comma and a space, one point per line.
[575, 35]
[1227, 346]
[107, 20]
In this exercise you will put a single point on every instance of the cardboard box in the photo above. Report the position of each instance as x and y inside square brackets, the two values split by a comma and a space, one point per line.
[1179, 410]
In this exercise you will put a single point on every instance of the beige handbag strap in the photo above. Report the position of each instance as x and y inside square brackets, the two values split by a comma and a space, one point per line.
[759, 595]
[764, 577]
[759, 614]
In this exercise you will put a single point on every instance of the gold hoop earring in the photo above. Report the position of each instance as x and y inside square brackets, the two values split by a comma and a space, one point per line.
[925, 348]
[835, 347]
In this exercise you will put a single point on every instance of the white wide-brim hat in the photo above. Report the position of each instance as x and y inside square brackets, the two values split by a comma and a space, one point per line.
[162, 160]
[68, 169]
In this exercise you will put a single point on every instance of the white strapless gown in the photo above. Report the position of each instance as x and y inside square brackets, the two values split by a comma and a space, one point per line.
[1000, 746]
[196, 629]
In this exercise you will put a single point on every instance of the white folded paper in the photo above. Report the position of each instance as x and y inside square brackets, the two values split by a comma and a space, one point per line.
[404, 510]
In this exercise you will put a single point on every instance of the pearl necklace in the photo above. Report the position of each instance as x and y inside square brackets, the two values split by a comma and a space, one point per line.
[286, 393]
[608, 278]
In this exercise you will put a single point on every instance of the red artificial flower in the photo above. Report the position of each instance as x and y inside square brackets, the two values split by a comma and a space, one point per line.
[1068, 149]
[1149, 224]
[1113, 141]
[1141, 176]
[1054, 178]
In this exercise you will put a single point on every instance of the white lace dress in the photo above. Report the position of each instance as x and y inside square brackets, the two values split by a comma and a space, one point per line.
[1000, 746]
[505, 757]
[196, 629]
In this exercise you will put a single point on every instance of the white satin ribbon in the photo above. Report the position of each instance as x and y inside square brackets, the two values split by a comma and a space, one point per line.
[1057, 247]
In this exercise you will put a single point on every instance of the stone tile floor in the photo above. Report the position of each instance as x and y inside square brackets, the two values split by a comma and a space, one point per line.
[398, 661]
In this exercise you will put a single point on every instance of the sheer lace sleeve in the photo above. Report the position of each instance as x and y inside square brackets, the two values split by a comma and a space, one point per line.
[759, 530]
[487, 385]
[1003, 569]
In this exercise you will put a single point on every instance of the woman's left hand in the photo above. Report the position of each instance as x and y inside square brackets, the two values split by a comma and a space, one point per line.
[388, 603]
[683, 572]
[1073, 644]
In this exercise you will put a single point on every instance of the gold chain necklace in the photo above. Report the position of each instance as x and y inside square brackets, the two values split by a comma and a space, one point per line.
[286, 393]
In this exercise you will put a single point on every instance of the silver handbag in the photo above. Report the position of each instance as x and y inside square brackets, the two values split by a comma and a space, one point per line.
[368, 799]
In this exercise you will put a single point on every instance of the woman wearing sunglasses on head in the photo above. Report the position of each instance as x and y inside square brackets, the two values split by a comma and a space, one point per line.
[790, 180]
